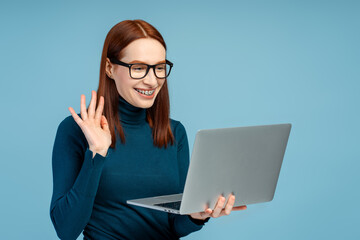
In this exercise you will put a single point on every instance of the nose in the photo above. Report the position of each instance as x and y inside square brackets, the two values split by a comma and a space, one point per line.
[150, 78]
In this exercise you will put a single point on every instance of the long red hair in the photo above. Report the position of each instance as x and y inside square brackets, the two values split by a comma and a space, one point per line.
[119, 36]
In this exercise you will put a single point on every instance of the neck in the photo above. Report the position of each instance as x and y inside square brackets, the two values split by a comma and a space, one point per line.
[129, 114]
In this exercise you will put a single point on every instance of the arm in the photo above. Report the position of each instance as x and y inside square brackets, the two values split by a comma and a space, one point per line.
[183, 224]
[76, 176]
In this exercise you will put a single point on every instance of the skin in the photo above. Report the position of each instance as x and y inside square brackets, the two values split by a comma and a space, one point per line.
[146, 50]
[95, 126]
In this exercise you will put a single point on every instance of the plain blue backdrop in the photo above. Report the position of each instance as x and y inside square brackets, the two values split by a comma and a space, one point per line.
[236, 63]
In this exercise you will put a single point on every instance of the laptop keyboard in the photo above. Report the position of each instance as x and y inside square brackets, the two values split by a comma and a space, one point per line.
[171, 205]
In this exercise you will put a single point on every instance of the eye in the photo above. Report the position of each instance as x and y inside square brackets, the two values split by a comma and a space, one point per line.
[160, 67]
[138, 68]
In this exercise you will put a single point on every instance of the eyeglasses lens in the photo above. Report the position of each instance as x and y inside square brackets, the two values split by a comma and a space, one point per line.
[139, 70]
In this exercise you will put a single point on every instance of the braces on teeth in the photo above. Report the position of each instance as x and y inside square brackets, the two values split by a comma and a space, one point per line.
[148, 93]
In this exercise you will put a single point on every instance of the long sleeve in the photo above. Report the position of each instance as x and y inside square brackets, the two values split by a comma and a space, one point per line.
[76, 176]
[182, 224]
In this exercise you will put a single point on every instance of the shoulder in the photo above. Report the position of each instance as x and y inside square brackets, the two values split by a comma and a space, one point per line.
[177, 127]
[69, 124]
[179, 132]
[69, 129]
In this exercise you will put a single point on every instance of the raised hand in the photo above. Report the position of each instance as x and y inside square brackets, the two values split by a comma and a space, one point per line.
[219, 209]
[94, 125]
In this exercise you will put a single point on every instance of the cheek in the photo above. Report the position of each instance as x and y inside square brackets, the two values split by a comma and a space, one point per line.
[122, 74]
[161, 82]
[123, 81]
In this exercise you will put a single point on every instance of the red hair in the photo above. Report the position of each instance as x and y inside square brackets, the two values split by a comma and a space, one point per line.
[119, 36]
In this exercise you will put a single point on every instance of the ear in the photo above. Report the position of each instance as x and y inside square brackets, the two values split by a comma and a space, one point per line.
[109, 68]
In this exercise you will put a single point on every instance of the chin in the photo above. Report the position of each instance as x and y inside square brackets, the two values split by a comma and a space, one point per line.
[141, 104]
[145, 103]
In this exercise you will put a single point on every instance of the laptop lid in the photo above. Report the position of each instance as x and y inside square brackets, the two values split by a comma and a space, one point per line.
[245, 161]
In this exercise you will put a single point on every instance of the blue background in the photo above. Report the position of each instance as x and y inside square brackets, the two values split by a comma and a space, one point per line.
[236, 63]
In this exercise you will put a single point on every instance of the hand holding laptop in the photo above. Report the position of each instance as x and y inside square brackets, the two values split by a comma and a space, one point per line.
[219, 210]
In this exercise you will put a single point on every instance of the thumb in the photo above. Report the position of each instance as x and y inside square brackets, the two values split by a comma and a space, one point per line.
[104, 123]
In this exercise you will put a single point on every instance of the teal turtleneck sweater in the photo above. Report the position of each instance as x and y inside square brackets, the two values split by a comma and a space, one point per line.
[90, 194]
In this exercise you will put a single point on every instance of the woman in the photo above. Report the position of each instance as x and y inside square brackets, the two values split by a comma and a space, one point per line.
[124, 146]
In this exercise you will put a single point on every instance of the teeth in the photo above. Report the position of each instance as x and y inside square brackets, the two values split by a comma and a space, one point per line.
[147, 93]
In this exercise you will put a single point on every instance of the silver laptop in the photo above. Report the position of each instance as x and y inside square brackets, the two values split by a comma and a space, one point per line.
[245, 161]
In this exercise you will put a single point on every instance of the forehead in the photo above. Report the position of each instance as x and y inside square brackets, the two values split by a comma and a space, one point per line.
[146, 50]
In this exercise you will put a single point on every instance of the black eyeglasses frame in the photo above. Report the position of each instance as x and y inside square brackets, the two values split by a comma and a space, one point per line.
[129, 65]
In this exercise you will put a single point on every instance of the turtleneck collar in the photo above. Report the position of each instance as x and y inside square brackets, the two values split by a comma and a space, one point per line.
[130, 114]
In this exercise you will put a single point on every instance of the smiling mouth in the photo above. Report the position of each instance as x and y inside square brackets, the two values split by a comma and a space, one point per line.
[145, 92]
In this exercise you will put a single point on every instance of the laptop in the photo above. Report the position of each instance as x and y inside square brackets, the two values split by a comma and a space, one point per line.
[245, 161]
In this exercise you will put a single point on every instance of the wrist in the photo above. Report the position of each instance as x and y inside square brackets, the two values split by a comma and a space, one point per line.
[102, 152]
[199, 221]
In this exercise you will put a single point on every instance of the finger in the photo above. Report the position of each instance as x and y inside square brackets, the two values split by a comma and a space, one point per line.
[239, 208]
[76, 117]
[83, 112]
[229, 205]
[208, 211]
[104, 124]
[91, 110]
[219, 207]
[99, 110]
[204, 215]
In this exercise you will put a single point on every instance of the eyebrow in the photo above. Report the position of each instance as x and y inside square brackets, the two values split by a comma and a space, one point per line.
[138, 61]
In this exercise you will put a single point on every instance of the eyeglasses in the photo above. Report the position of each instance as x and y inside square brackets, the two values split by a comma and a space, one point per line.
[140, 70]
